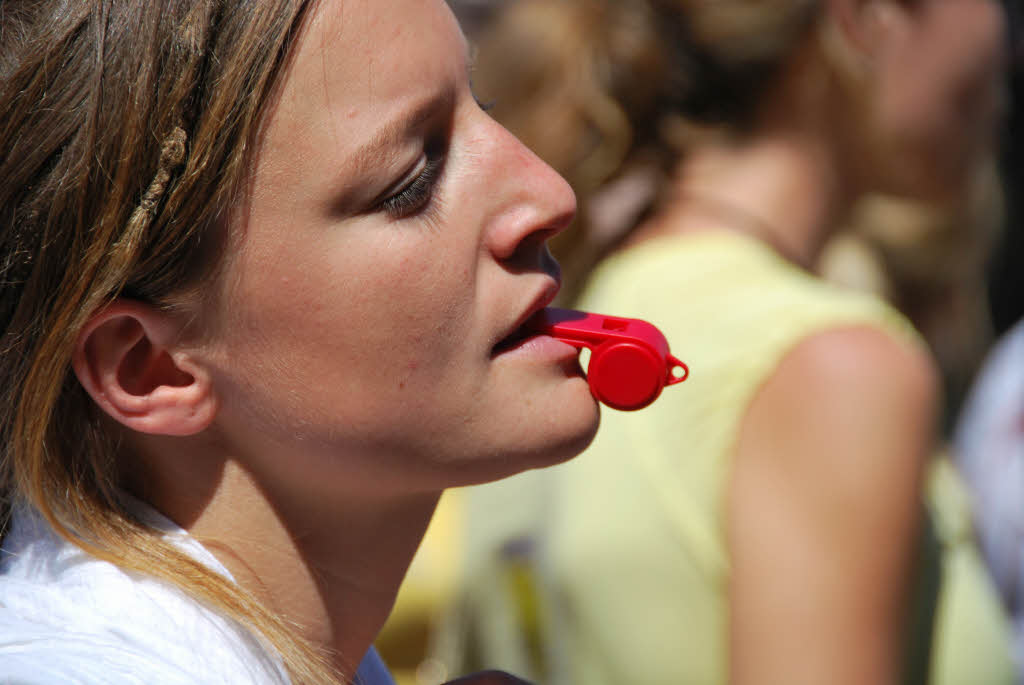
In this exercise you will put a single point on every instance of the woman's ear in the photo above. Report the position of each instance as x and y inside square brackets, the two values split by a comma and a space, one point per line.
[127, 359]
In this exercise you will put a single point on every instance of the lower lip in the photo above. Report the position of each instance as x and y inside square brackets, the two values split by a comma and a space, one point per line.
[543, 346]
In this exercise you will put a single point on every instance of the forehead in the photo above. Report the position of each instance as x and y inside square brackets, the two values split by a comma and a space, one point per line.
[357, 60]
[357, 68]
[364, 37]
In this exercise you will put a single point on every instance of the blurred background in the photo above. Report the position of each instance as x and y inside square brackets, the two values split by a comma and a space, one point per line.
[1005, 272]
[957, 275]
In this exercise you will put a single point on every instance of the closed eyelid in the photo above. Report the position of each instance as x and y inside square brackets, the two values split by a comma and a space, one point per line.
[374, 153]
[373, 166]
[417, 193]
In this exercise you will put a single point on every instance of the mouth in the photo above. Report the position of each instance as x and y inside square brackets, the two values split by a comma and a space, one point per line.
[518, 337]
[522, 331]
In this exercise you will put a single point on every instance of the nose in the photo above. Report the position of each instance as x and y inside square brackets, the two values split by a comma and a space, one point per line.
[534, 201]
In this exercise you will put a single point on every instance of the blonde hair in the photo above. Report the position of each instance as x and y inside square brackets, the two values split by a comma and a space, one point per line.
[126, 134]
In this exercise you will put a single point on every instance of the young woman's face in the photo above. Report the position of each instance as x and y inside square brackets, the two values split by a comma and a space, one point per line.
[393, 239]
[940, 93]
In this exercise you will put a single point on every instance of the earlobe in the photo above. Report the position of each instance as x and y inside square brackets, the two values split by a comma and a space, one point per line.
[126, 359]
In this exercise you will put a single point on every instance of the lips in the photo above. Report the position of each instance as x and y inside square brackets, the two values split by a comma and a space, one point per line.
[519, 335]
[521, 330]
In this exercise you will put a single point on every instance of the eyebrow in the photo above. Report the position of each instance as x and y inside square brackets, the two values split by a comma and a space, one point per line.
[391, 133]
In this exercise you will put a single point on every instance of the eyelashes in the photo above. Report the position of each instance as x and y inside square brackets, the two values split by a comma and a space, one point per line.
[414, 197]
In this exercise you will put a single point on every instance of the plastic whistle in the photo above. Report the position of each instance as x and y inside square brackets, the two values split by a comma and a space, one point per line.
[630, 361]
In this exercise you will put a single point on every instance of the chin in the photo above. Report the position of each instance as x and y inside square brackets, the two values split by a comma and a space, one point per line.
[573, 442]
[553, 432]
[564, 437]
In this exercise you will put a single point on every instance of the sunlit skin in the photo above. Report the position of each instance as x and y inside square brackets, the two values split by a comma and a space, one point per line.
[376, 332]
[344, 366]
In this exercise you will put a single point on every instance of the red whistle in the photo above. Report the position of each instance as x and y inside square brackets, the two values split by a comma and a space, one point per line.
[629, 362]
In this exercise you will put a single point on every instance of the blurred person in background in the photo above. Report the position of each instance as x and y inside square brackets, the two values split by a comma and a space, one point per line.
[764, 525]
[989, 444]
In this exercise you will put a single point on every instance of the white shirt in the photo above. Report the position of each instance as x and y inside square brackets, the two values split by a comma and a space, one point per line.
[67, 617]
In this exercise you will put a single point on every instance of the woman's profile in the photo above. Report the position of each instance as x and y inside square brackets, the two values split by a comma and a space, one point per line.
[264, 267]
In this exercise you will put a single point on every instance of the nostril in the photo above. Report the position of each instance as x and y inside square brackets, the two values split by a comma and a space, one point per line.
[533, 256]
[523, 228]
[550, 265]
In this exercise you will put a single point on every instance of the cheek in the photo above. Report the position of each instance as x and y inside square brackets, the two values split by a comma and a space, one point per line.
[356, 315]
[417, 312]
[330, 350]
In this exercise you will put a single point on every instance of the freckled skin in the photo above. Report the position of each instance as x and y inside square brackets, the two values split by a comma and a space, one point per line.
[361, 341]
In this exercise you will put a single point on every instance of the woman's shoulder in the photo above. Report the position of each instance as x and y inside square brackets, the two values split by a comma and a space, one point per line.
[861, 363]
[35, 653]
[842, 402]
[51, 636]
[65, 612]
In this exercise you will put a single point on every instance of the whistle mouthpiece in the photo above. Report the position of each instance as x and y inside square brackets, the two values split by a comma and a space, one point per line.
[630, 362]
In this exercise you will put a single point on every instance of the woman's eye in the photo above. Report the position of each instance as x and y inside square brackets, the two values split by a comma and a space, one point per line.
[415, 195]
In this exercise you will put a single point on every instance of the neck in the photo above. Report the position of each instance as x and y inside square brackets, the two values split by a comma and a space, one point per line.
[780, 189]
[331, 566]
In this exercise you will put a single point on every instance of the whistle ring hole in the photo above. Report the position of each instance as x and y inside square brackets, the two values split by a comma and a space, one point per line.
[679, 373]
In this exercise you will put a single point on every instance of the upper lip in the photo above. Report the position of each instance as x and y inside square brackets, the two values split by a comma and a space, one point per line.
[541, 300]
